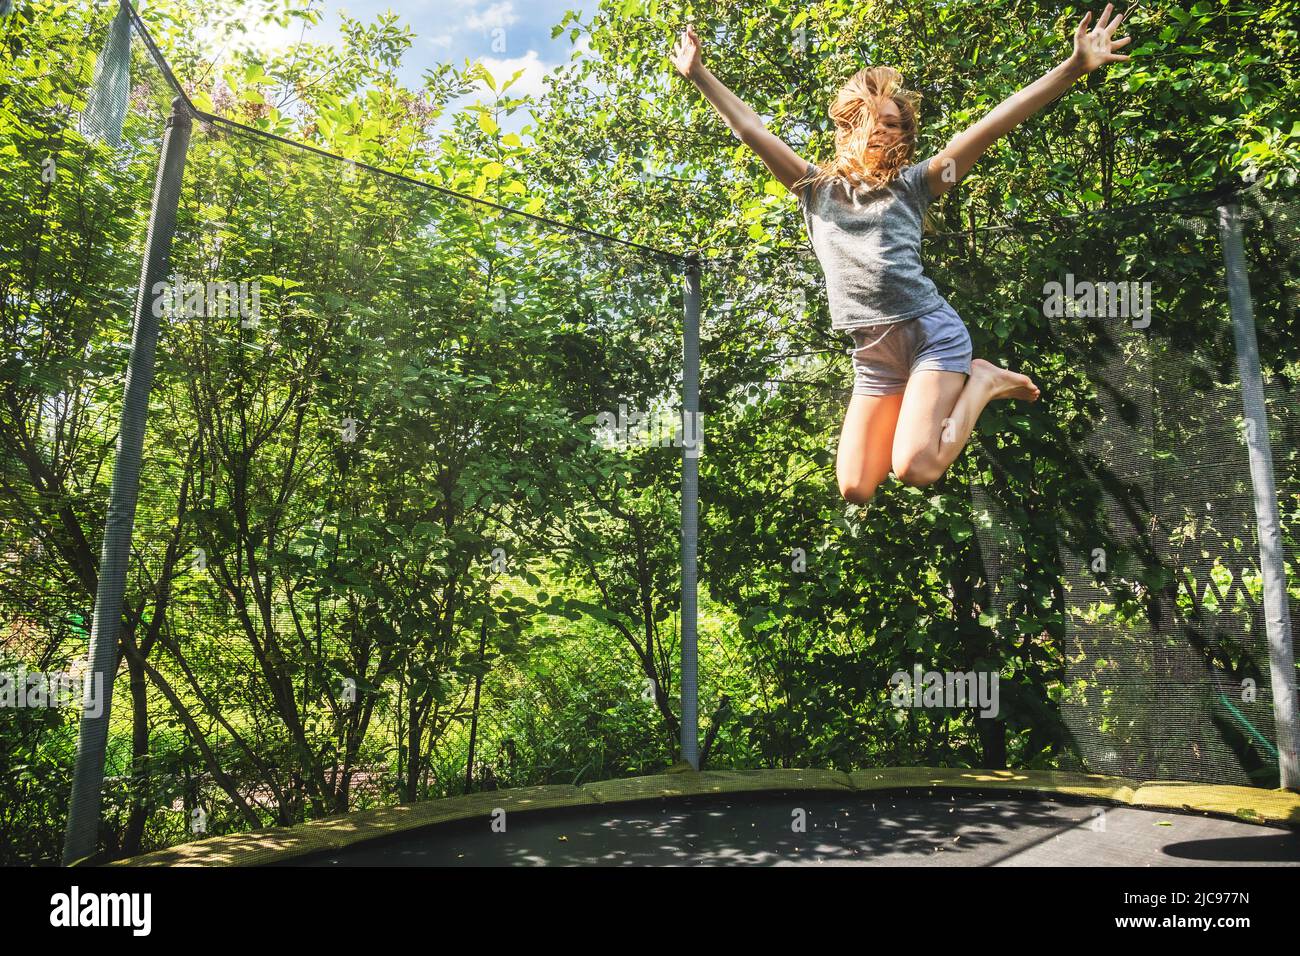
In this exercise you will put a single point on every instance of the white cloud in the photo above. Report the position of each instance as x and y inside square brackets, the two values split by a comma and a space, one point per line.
[497, 15]
[530, 83]
[267, 39]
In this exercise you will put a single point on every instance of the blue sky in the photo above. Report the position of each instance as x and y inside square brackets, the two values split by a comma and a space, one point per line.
[505, 35]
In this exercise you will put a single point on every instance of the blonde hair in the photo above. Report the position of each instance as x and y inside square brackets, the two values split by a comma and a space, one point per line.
[856, 113]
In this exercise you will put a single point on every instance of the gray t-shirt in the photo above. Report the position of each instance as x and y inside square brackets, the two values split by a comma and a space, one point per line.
[868, 242]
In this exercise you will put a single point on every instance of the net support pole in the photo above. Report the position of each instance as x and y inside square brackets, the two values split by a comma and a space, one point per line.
[692, 438]
[1277, 612]
[81, 838]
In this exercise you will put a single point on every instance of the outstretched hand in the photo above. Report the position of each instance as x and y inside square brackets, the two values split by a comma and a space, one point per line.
[1096, 48]
[686, 55]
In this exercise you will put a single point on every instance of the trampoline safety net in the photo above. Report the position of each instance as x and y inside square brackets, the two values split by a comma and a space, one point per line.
[1165, 645]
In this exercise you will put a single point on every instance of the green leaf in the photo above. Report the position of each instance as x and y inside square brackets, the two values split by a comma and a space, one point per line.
[510, 82]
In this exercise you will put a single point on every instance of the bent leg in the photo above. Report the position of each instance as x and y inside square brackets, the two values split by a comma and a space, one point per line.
[939, 412]
[932, 426]
[866, 444]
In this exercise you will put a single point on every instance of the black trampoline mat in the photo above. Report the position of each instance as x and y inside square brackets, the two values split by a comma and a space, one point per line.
[841, 830]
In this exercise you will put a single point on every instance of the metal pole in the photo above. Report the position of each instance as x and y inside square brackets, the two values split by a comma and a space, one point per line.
[81, 839]
[692, 435]
[1277, 612]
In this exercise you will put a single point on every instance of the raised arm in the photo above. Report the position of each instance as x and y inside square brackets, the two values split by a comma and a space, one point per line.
[783, 161]
[1091, 50]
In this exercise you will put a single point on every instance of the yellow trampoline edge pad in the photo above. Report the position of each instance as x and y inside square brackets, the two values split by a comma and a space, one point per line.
[277, 844]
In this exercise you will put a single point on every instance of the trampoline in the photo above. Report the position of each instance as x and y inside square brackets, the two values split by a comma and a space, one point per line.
[899, 817]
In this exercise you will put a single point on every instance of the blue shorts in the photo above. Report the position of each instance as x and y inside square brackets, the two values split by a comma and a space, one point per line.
[885, 355]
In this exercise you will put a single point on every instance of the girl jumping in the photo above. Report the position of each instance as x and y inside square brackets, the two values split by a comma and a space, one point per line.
[917, 393]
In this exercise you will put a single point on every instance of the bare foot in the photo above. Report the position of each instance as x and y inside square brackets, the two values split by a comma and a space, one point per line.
[1002, 383]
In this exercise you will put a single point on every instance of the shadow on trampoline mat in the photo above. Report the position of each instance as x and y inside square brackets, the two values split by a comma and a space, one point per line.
[888, 827]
